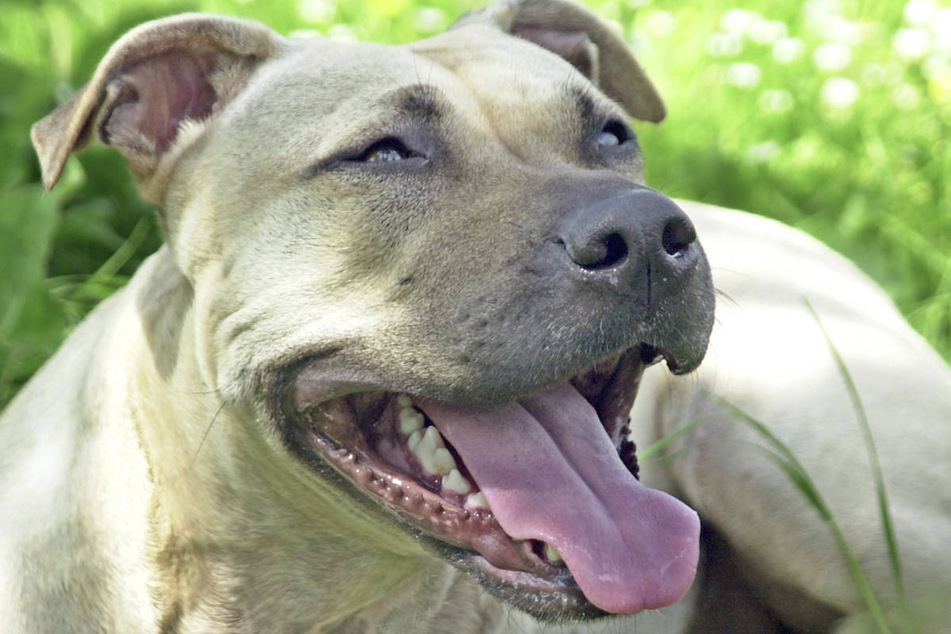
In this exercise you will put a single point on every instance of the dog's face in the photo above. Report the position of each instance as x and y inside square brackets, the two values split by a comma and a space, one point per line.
[436, 274]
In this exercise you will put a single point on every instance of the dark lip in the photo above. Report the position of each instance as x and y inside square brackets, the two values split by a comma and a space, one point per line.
[516, 573]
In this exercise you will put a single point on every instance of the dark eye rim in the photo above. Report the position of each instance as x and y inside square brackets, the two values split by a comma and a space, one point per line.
[619, 129]
[358, 156]
[396, 144]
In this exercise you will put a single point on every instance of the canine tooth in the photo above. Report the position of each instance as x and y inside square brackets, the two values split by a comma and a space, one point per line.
[551, 554]
[427, 444]
[410, 420]
[456, 482]
[404, 400]
[432, 453]
[425, 449]
[433, 433]
[477, 500]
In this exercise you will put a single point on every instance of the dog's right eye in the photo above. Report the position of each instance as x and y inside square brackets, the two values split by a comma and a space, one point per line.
[614, 134]
[387, 150]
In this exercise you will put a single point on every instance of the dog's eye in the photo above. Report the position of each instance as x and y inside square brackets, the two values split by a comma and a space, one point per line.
[614, 133]
[387, 151]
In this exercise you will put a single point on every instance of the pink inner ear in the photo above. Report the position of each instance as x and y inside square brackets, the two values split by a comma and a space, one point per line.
[574, 46]
[158, 94]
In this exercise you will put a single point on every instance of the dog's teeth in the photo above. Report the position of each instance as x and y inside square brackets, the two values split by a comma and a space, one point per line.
[404, 400]
[414, 439]
[410, 420]
[477, 500]
[551, 554]
[456, 482]
[443, 462]
[429, 442]
[432, 452]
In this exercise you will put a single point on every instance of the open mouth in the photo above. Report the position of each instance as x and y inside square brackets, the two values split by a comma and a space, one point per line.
[538, 498]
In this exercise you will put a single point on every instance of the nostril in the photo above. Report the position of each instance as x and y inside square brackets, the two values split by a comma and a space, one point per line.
[615, 251]
[678, 236]
[593, 254]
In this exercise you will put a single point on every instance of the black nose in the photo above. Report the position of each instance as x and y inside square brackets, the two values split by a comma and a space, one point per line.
[637, 241]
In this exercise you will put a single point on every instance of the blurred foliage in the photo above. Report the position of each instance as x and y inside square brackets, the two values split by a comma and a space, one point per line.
[830, 115]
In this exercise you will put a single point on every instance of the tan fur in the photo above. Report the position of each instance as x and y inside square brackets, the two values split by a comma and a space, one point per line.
[143, 487]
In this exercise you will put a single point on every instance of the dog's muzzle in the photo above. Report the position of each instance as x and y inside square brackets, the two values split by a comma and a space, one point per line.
[537, 498]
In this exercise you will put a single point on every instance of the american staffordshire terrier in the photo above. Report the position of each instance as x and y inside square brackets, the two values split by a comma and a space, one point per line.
[381, 375]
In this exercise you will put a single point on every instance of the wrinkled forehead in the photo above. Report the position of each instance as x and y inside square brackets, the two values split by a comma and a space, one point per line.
[479, 70]
[497, 67]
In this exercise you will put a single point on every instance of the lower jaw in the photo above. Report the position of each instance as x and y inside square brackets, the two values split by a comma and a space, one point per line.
[449, 526]
[546, 599]
[514, 572]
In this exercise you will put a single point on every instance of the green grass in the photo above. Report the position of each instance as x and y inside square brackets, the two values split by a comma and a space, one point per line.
[832, 116]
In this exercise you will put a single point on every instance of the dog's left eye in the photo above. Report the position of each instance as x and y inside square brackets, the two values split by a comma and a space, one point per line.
[387, 151]
[613, 133]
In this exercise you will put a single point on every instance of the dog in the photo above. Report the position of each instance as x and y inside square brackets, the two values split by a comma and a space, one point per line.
[381, 376]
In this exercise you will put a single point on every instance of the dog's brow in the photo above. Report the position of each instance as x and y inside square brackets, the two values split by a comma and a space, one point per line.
[419, 101]
[586, 104]
[583, 102]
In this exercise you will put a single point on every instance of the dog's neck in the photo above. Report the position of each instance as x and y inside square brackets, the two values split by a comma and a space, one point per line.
[213, 547]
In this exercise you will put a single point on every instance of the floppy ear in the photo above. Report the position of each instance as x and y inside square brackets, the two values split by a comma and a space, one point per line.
[586, 41]
[152, 81]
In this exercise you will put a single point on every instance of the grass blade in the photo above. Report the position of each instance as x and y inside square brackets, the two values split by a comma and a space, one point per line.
[883, 506]
[646, 455]
[787, 461]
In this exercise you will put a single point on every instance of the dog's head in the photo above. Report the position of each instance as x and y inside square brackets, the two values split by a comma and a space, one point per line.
[433, 270]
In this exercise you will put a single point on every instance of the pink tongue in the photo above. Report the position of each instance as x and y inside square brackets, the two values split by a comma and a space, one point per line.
[550, 472]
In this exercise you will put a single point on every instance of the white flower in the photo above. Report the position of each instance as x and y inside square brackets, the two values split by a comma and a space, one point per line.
[840, 93]
[787, 50]
[911, 45]
[832, 56]
[936, 67]
[778, 101]
[764, 31]
[317, 10]
[744, 75]
[920, 12]
[660, 23]
[725, 44]
[819, 9]
[342, 33]
[873, 75]
[763, 152]
[941, 27]
[430, 19]
[837, 28]
[737, 20]
[825, 18]
[906, 97]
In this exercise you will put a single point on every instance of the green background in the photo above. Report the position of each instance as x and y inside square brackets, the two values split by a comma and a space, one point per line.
[832, 116]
